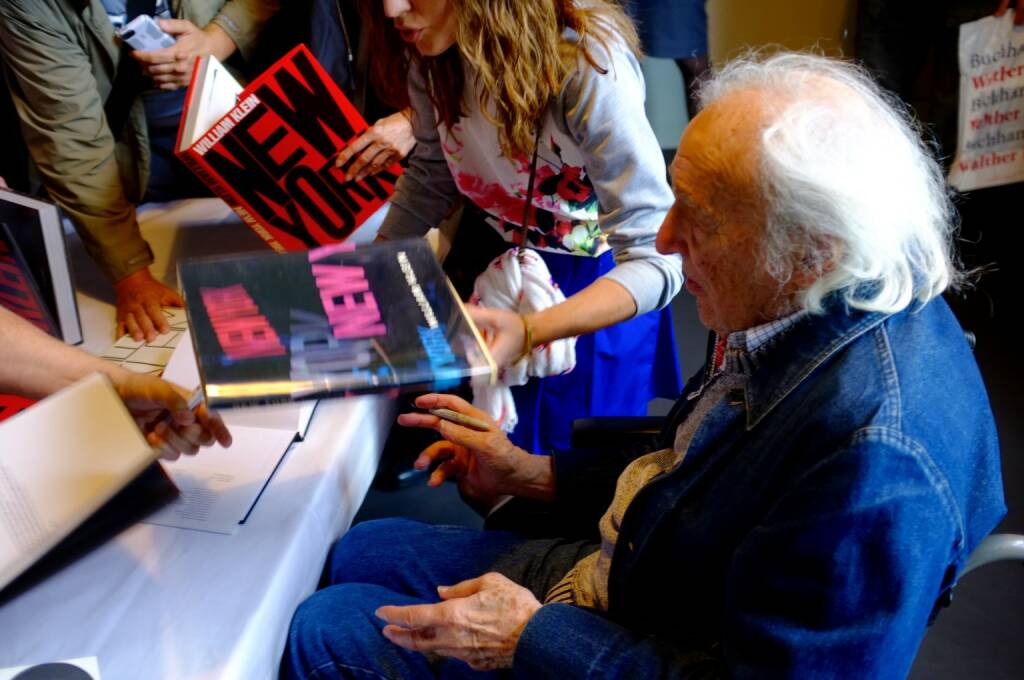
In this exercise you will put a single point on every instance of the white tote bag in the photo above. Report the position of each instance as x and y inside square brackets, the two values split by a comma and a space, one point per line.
[990, 146]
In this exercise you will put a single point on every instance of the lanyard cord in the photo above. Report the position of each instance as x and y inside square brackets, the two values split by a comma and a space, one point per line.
[525, 226]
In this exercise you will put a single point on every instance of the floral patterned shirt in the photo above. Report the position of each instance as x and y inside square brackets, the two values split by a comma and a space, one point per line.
[564, 217]
[601, 181]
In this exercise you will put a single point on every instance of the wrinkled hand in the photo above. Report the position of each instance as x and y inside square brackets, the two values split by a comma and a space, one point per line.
[478, 622]
[139, 298]
[486, 465]
[171, 67]
[502, 330]
[161, 411]
[384, 143]
[1018, 17]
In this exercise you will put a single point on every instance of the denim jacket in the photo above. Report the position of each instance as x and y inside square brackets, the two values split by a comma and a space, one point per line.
[816, 519]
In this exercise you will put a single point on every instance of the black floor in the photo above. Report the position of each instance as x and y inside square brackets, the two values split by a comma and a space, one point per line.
[981, 635]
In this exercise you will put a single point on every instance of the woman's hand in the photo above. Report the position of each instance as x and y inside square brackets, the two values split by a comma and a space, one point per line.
[486, 464]
[384, 143]
[503, 332]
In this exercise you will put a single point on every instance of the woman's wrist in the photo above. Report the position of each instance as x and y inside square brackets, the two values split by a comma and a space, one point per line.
[528, 343]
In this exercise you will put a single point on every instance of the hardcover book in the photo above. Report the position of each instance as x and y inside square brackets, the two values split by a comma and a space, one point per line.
[64, 490]
[18, 291]
[11, 404]
[333, 321]
[269, 149]
[35, 274]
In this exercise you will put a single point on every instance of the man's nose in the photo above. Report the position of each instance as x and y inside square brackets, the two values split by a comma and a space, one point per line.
[670, 238]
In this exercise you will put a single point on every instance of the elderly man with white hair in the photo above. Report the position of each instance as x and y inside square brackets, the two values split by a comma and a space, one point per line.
[818, 486]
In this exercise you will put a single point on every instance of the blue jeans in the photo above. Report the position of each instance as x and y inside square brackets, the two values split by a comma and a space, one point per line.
[334, 633]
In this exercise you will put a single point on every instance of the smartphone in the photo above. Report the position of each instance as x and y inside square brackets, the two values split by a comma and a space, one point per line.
[143, 34]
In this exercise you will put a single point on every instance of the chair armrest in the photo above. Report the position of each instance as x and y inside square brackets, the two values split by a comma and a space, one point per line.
[614, 431]
[996, 548]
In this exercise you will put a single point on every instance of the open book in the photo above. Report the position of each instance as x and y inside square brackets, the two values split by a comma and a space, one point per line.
[333, 321]
[269, 149]
[63, 463]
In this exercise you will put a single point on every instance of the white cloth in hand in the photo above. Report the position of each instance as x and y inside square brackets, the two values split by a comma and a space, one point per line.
[519, 281]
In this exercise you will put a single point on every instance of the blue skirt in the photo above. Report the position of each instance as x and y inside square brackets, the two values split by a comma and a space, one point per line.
[618, 369]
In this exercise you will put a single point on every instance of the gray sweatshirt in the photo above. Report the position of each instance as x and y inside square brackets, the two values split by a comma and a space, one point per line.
[598, 122]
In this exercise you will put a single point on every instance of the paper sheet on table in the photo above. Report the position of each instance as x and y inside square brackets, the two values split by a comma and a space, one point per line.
[219, 486]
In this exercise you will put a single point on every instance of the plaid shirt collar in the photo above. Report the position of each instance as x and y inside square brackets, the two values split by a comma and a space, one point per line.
[753, 339]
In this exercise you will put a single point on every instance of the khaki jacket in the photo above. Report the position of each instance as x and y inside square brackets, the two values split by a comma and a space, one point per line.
[61, 58]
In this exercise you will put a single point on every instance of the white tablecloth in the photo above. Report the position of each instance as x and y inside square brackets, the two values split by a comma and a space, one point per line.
[159, 602]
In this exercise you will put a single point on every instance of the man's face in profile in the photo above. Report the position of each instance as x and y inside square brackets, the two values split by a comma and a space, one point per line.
[717, 221]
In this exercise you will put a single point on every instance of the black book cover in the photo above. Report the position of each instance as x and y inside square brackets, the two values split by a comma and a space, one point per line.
[332, 321]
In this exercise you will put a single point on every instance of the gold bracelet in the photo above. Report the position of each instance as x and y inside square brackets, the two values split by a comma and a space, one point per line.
[527, 340]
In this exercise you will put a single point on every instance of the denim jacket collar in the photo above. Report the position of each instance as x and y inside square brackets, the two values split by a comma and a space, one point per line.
[789, 359]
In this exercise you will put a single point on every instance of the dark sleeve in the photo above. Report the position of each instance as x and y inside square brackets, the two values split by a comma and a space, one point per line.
[585, 479]
[838, 580]
[842, 574]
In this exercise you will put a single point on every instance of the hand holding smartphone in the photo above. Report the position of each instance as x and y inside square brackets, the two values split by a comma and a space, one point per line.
[144, 35]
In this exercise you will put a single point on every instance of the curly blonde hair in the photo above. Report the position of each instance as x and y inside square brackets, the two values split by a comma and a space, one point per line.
[517, 51]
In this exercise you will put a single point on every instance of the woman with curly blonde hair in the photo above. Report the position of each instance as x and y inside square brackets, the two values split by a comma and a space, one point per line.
[536, 109]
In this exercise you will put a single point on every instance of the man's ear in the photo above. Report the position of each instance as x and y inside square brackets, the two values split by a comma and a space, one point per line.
[813, 262]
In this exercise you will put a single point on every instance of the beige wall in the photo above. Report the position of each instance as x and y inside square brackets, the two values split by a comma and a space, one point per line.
[735, 25]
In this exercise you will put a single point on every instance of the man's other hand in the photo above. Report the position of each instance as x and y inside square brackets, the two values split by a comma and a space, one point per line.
[485, 464]
[139, 299]
[478, 622]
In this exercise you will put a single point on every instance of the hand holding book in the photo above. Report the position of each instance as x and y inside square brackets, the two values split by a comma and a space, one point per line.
[162, 411]
[52, 365]
[381, 145]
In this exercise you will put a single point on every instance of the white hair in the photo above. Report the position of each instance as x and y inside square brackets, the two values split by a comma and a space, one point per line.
[851, 191]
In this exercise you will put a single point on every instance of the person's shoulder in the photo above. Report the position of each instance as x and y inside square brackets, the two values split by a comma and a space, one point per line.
[602, 68]
[606, 53]
[38, 13]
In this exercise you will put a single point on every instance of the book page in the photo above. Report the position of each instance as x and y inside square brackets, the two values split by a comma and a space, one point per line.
[59, 462]
[215, 92]
[219, 486]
